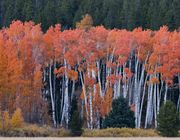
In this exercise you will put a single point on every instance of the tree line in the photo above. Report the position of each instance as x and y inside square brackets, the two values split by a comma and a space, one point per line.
[40, 73]
[123, 14]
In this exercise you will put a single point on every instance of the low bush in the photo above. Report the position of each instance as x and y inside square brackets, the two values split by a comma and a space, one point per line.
[120, 132]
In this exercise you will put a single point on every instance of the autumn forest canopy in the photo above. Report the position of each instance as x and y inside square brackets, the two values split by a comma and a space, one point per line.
[43, 72]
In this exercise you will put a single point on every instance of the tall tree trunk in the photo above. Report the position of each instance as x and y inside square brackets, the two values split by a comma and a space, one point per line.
[52, 96]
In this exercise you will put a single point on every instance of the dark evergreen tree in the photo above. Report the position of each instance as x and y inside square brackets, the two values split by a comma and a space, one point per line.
[166, 13]
[38, 11]
[153, 20]
[1, 13]
[28, 10]
[120, 115]
[124, 14]
[8, 12]
[66, 9]
[167, 119]
[176, 11]
[75, 120]
[18, 10]
[144, 13]
[49, 14]
[112, 10]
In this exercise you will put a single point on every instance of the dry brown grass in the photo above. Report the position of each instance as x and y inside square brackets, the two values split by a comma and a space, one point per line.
[35, 131]
[120, 132]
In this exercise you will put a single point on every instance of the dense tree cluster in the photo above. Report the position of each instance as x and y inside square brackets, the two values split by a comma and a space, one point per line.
[97, 65]
[110, 13]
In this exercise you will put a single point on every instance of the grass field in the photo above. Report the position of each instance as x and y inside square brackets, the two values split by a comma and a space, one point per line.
[83, 138]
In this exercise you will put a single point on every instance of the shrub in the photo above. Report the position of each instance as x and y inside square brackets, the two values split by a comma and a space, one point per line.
[119, 132]
[76, 124]
[167, 120]
[6, 121]
[120, 115]
[17, 119]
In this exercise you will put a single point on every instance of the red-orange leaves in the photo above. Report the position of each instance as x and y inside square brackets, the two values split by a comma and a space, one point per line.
[73, 75]
[128, 72]
[89, 81]
[60, 71]
[112, 78]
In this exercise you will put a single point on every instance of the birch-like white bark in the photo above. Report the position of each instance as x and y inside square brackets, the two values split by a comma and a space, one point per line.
[52, 96]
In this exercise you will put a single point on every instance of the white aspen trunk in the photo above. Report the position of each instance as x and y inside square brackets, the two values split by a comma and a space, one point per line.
[155, 107]
[62, 96]
[66, 97]
[52, 97]
[140, 83]
[103, 79]
[91, 111]
[158, 97]
[139, 80]
[165, 95]
[85, 99]
[90, 95]
[99, 78]
[66, 102]
[125, 83]
[119, 84]
[54, 81]
[148, 109]
[65, 114]
[73, 90]
[151, 106]
[116, 94]
[136, 94]
[142, 102]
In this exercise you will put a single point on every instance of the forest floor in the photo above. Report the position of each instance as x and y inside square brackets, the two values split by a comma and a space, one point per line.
[93, 138]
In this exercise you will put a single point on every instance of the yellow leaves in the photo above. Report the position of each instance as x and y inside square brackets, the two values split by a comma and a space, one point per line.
[154, 80]
[86, 23]
[17, 119]
[6, 121]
